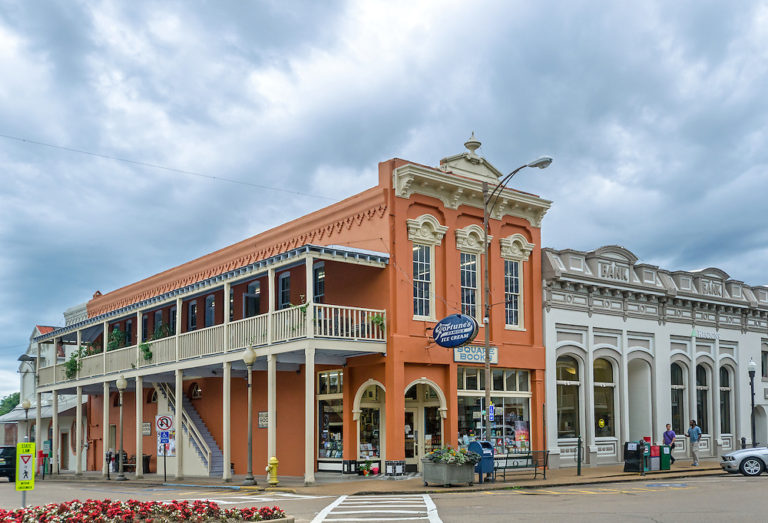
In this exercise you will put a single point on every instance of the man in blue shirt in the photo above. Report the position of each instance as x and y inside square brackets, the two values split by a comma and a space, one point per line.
[695, 434]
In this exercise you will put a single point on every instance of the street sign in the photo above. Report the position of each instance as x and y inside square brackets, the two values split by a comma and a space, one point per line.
[490, 412]
[25, 466]
[165, 436]
[164, 422]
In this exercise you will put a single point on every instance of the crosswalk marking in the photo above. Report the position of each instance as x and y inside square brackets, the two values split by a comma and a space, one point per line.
[416, 507]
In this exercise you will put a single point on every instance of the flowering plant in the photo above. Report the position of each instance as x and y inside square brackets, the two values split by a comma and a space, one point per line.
[452, 456]
[109, 511]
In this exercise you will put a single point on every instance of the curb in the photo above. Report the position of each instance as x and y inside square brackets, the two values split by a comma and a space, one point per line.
[594, 481]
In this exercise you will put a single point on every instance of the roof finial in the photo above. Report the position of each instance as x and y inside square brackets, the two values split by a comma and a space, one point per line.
[472, 144]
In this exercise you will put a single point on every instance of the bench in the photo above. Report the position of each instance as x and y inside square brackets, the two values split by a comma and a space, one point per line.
[535, 459]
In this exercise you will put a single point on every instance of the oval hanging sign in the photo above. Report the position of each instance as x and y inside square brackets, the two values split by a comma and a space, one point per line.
[455, 330]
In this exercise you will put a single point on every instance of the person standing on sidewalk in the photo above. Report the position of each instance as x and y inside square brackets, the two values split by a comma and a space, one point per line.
[695, 434]
[669, 439]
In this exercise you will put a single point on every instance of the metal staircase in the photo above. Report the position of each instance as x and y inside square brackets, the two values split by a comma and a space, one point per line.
[194, 427]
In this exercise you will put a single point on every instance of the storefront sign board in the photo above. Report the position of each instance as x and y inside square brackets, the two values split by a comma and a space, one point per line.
[474, 354]
[455, 330]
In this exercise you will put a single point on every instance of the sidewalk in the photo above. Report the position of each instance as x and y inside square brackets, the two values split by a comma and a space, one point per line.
[335, 484]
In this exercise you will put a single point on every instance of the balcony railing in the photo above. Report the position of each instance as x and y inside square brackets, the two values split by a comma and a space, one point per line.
[329, 321]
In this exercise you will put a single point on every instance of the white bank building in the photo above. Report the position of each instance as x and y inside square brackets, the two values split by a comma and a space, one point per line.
[632, 347]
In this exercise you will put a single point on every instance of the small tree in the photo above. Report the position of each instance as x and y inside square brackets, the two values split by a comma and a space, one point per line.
[8, 403]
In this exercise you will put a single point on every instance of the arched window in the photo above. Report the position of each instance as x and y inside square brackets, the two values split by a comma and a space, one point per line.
[152, 396]
[605, 416]
[210, 311]
[195, 392]
[678, 398]
[702, 398]
[568, 407]
[725, 401]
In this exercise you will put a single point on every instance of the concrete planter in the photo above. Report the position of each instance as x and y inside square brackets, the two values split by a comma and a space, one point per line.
[447, 473]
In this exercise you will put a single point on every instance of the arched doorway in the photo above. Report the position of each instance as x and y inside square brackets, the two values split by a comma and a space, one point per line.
[369, 413]
[425, 409]
[761, 426]
[639, 391]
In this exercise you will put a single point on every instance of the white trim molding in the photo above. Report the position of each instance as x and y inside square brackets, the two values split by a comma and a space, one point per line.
[470, 239]
[516, 247]
[426, 230]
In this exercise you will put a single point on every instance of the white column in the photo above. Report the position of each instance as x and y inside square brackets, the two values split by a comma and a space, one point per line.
[589, 402]
[79, 428]
[227, 410]
[692, 411]
[105, 425]
[178, 328]
[271, 406]
[310, 293]
[227, 305]
[55, 438]
[714, 401]
[178, 422]
[139, 336]
[309, 416]
[38, 420]
[271, 298]
[104, 356]
[139, 396]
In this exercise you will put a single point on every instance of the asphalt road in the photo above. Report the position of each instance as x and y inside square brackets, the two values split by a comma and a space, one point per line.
[708, 499]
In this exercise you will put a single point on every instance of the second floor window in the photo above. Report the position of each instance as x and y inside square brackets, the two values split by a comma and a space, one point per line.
[512, 293]
[210, 311]
[252, 299]
[284, 291]
[172, 320]
[422, 280]
[128, 333]
[318, 288]
[144, 327]
[468, 273]
[192, 316]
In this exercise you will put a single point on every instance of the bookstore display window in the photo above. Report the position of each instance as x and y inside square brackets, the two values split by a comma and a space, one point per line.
[330, 414]
[511, 429]
[370, 423]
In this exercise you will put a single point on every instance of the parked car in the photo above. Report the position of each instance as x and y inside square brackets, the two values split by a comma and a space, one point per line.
[750, 462]
[8, 462]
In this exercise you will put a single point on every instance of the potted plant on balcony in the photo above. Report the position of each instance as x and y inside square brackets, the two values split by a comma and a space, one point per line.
[448, 466]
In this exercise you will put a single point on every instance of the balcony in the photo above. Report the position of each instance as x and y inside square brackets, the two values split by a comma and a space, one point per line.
[334, 322]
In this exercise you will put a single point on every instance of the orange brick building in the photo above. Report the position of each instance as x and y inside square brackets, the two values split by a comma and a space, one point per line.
[338, 306]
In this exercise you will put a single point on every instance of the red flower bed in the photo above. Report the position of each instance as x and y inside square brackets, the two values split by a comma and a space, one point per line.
[108, 511]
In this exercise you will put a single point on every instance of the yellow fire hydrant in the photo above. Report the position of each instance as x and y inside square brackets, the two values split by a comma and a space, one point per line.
[272, 472]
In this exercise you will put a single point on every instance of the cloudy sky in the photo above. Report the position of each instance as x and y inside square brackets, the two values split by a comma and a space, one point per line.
[115, 118]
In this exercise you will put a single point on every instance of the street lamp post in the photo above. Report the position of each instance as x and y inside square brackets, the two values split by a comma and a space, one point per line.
[26, 405]
[489, 201]
[121, 386]
[752, 369]
[249, 356]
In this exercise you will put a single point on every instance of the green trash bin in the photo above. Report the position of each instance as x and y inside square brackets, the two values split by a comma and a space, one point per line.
[666, 457]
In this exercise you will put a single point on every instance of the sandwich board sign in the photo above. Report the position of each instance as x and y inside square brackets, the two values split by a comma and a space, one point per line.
[25, 466]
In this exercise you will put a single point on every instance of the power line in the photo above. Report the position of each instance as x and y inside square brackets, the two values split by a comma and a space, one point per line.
[163, 167]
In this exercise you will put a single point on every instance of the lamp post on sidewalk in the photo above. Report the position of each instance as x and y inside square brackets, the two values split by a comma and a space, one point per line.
[249, 356]
[121, 385]
[752, 370]
[489, 201]
[26, 405]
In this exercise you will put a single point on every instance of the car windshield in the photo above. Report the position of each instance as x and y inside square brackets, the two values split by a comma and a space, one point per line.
[7, 451]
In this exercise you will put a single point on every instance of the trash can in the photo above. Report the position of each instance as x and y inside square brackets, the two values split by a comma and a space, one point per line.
[646, 454]
[666, 457]
[633, 456]
[485, 449]
[145, 459]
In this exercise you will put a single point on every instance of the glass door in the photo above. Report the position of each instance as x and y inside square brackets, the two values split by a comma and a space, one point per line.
[411, 444]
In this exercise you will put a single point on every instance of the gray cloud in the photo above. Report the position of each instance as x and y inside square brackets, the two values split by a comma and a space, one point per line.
[655, 114]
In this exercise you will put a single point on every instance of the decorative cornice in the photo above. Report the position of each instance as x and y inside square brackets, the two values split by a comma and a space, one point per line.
[454, 190]
[516, 247]
[426, 229]
[470, 239]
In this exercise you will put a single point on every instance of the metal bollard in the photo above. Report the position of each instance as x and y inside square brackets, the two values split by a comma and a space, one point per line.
[578, 456]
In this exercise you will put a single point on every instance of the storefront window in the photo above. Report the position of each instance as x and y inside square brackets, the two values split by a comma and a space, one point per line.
[702, 398]
[568, 407]
[605, 417]
[369, 432]
[678, 398]
[330, 414]
[510, 429]
[725, 401]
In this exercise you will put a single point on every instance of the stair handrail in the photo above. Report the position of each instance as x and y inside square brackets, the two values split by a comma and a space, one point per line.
[191, 428]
